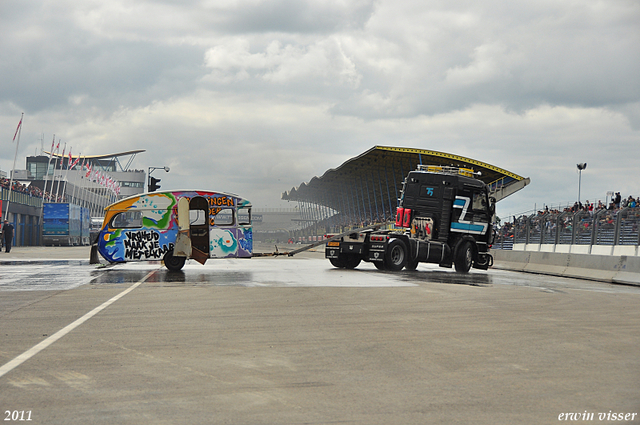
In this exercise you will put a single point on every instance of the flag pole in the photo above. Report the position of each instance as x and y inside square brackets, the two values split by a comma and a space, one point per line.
[61, 167]
[46, 174]
[75, 183]
[53, 172]
[17, 133]
[66, 177]
[44, 186]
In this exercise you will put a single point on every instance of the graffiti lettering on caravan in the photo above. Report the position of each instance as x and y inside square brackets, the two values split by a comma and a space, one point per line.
[144, 245]
[221, 201]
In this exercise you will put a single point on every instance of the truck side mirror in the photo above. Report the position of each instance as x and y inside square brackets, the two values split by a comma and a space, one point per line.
[492, 205]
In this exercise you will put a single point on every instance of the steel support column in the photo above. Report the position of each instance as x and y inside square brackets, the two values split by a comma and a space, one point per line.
[384, 214]
[375, 200]
[386, 178]
[355, 198]
[368, 198]
[395, 184]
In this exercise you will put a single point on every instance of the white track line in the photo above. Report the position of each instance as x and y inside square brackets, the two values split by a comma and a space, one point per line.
[6, 368]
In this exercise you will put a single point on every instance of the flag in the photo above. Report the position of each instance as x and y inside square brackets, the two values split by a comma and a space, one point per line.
[17, 129]
[70, 159]
[75, 161]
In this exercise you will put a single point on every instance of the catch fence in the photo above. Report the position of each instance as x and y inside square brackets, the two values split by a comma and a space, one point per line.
[604, 227]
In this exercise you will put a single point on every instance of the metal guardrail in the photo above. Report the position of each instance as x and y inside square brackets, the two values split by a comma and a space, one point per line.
[21, 198]
[604, 227]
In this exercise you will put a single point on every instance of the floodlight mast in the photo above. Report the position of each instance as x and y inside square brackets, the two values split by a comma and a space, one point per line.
[581, 166]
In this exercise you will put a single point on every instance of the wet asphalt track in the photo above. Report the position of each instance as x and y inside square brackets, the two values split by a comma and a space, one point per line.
[55, 275]
[293, 340]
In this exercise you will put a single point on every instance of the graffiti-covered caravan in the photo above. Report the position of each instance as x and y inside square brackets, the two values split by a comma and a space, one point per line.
[176, 225]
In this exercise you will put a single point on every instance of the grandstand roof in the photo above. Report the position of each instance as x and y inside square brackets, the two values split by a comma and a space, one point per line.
[109, 158]
[377, 176]
[104, 156]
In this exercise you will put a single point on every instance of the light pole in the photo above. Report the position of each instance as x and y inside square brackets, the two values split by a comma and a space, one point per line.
[581, 167]
[152, 181]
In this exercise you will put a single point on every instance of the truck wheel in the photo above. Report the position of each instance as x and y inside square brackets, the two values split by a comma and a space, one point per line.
[351, 261]
[464, 257]
[173, 263]
[337, 262]
[411, 265]
[396, 256]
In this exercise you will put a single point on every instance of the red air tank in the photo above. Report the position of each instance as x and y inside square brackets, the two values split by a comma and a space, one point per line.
[399, 216]
[406, 221]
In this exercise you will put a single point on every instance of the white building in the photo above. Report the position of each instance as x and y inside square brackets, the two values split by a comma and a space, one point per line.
[93, 181]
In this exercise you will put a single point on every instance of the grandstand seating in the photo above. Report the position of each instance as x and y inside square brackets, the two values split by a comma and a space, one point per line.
[603, 227]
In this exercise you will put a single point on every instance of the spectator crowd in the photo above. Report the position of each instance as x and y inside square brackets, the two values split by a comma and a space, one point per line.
[30, 190]
[605, 213]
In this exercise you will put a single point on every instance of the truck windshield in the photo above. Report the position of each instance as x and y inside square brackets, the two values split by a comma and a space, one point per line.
[480, 202]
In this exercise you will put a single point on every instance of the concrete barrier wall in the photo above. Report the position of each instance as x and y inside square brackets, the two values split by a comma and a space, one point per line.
[615, 250]
[623, 269]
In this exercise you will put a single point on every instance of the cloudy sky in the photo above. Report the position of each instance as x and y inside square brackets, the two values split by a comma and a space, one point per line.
[257, 96]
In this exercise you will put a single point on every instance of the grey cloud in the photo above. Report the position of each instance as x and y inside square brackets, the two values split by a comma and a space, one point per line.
[106, 74]
[554, 55]
[268, 91]
[291, 16]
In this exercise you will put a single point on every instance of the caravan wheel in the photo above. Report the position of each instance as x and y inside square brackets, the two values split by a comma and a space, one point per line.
[173, 263]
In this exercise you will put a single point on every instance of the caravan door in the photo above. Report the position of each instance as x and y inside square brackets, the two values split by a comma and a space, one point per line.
[199, 228]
